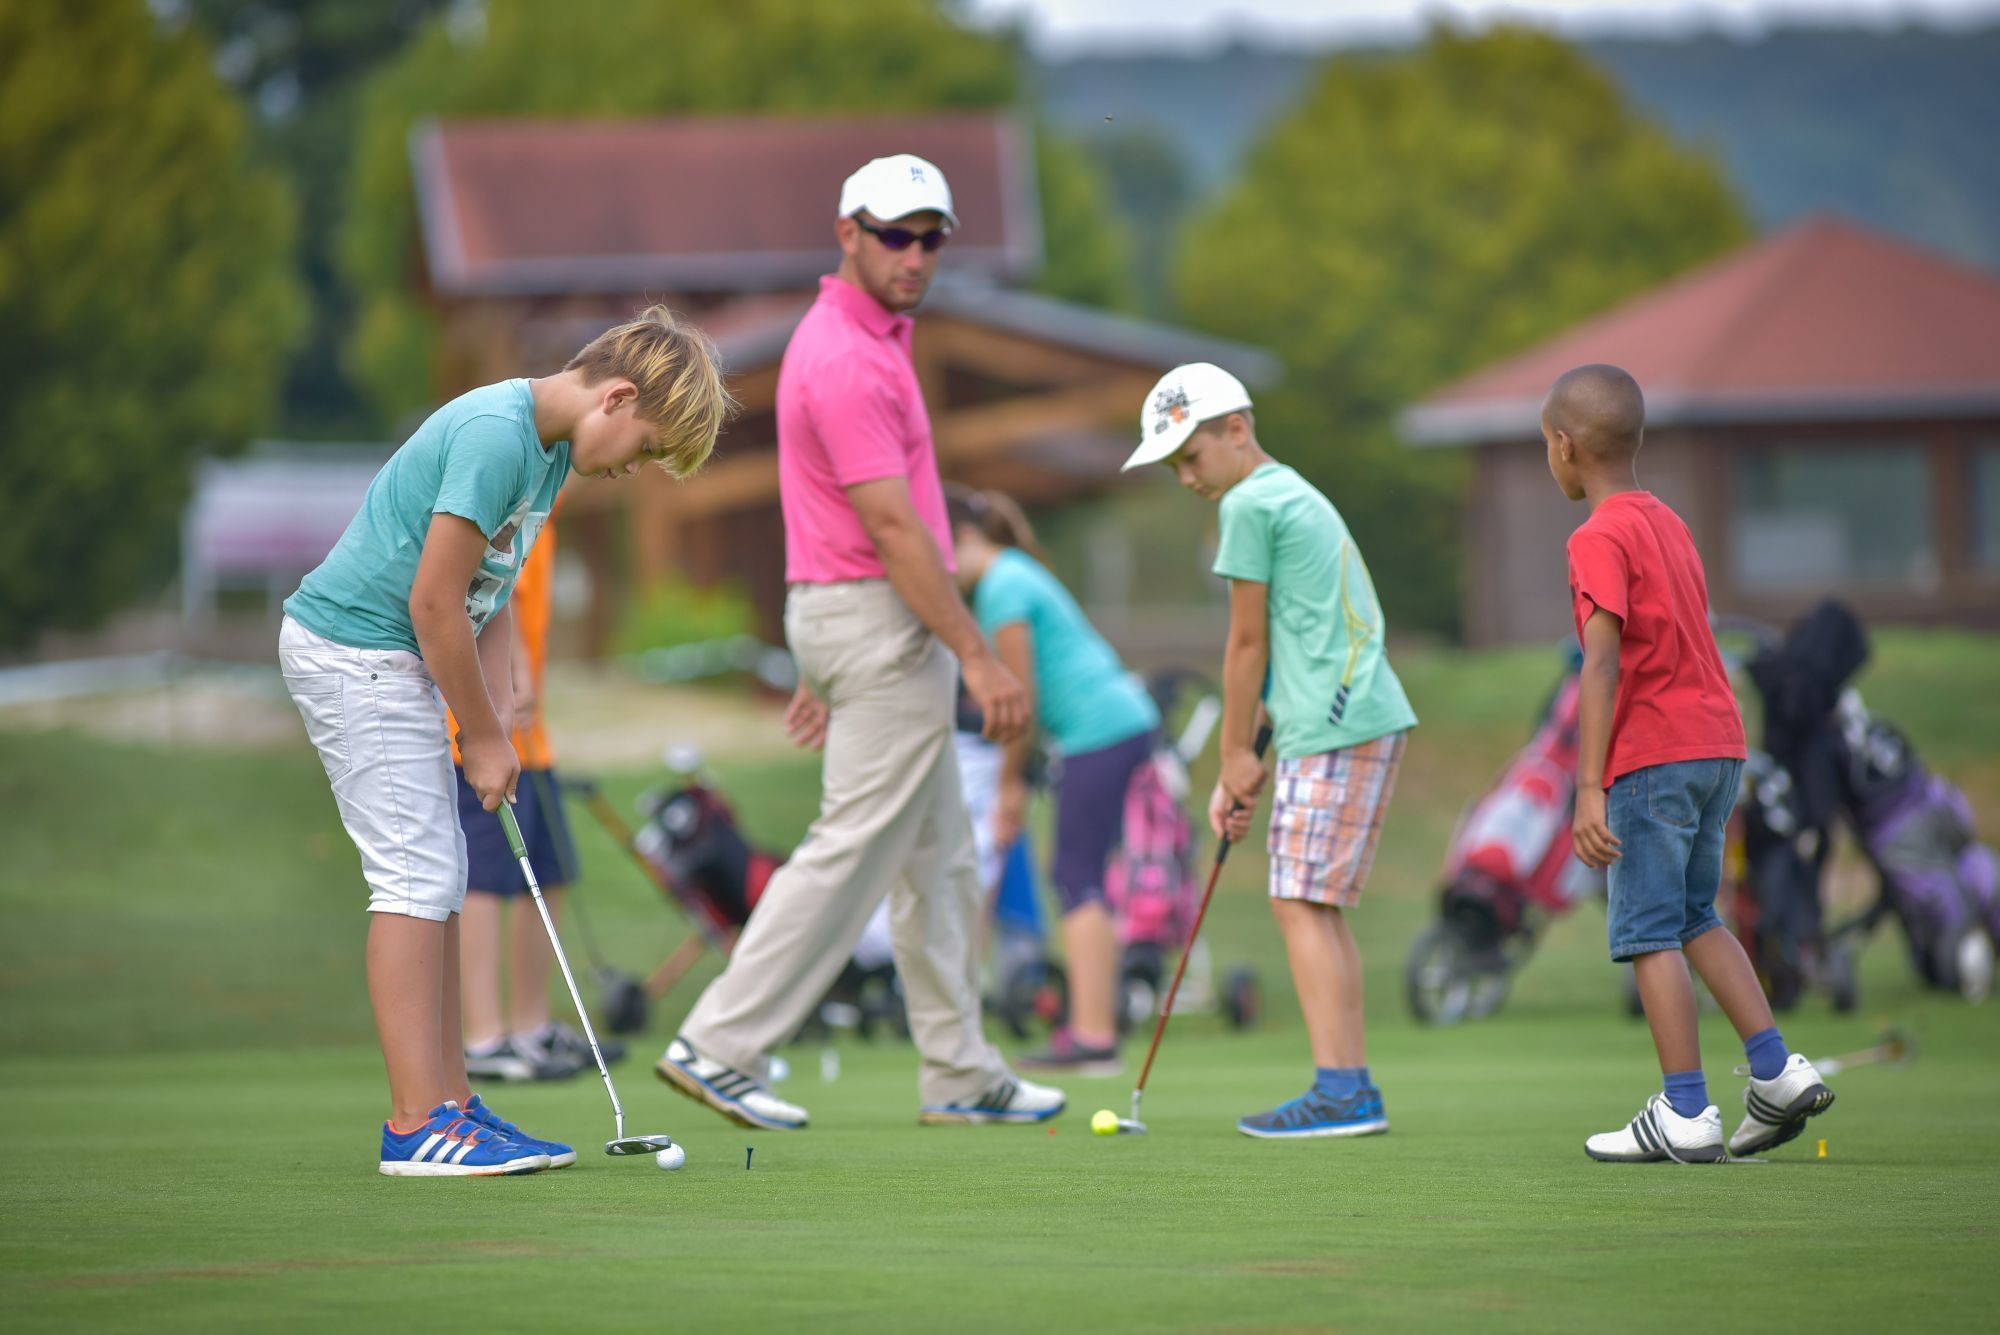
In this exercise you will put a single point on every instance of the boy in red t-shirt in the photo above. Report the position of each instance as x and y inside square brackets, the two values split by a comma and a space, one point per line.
[1660, 755]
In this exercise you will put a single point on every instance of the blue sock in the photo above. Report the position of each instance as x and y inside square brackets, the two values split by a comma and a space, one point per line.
[1687, 1092]
[1338, 1082]
[1767, 1053]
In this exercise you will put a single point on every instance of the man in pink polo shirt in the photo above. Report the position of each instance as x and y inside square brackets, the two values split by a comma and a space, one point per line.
[880, 634]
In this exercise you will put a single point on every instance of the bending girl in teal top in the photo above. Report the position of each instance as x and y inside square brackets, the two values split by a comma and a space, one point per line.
[1099, 720]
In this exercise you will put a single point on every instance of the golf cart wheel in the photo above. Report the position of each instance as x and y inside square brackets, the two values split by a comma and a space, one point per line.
[1439, 980]
[1242, 999]
[624, 1005]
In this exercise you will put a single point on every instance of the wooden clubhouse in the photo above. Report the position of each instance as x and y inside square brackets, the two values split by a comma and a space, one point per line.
[731, 220]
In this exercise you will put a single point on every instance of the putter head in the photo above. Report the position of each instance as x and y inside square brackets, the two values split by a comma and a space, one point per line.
[629, 1145]
[1131, 1126]
[1898, 1047]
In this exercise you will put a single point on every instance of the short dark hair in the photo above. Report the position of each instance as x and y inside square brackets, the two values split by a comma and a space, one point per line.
[1600, 406]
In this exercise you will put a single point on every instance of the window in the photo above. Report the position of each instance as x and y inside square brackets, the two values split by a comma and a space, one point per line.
[1986, 506]
[1812, 517]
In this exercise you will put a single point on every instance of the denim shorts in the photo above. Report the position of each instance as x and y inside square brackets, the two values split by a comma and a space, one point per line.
[1669, 822]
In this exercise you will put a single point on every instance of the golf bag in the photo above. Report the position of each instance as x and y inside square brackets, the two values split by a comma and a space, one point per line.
[1511, 866]
[1916, 828]
[689, 838]
[1790, 796]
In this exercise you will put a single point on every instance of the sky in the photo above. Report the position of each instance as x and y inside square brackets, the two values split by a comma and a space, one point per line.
[1064, 27]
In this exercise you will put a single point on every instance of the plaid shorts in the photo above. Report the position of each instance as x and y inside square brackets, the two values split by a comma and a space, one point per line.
[1326, 816]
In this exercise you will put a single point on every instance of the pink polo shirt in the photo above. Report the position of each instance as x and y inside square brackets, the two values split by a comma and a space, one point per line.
[849, 411]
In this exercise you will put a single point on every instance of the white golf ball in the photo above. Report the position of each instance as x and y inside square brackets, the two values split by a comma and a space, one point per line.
[671, 1158]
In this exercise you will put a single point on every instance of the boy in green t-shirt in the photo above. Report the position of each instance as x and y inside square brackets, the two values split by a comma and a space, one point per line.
[1305, 637]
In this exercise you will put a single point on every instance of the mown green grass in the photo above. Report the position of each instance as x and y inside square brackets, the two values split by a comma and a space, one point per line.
[190, 1094]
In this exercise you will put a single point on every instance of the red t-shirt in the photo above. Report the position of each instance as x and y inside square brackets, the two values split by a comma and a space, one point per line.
[1635, 559]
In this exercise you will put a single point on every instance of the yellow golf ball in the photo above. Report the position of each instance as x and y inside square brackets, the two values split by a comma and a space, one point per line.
[1104, 1122]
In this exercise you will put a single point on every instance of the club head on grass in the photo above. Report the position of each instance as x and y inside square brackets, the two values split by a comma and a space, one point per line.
[1131, 1126]
[638, 1145]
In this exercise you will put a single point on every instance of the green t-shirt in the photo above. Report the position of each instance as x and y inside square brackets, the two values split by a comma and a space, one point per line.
[1084, 697]
[478, 457]
[1330, 684]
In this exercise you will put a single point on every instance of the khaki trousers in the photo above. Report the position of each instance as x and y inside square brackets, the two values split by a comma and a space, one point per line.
[891, 821]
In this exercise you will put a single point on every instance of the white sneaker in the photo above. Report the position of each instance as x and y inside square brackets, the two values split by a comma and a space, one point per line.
[1658, 1132]
[1775, 1110]
[741, 1098]
[1011, 1100]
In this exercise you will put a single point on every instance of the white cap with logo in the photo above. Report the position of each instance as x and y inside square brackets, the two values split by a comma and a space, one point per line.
[1186, 397]
[895, 187]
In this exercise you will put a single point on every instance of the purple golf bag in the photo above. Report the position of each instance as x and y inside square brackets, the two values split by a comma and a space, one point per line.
[1941, 884]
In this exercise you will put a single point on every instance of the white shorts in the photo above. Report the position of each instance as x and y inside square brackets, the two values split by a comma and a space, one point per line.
[377, 721]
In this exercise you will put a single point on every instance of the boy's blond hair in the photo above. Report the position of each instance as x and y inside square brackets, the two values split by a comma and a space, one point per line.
[679, 376]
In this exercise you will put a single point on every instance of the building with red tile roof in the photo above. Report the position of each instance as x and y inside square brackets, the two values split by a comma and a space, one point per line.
[537, 235]
[1822, 407]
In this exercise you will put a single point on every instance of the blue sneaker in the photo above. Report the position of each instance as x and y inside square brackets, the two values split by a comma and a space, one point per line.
[451, 1144]
[560, 1155]
[1314, 1114]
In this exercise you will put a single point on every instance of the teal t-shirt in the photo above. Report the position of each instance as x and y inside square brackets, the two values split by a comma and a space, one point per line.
[1084, 697]
[477, 457]
[1331, 685]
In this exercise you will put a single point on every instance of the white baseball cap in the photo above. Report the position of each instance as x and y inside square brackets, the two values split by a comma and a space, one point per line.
[1186, 397]
[895, 187]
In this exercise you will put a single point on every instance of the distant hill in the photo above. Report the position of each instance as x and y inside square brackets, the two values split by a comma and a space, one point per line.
[1899, 130]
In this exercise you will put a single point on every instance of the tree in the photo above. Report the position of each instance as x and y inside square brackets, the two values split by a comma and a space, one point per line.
[1416, 217]
[147, 302]
[300, 66]
[680, 56]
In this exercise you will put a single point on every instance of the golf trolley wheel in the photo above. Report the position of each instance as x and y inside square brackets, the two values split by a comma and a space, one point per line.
[1242, 999]
[624, 1004]
[1837, 973]
[1446, 982]
[1031, 994]
[1139, 986]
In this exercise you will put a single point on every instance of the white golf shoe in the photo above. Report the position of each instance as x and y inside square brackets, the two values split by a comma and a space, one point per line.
[1775, 1110]
[1012, 1099]
[1659, 1133]
[741, 1098]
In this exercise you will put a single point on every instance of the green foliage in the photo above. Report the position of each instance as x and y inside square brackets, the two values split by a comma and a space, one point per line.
[1414, 218]
[301, 65]
[859, 57]
[1085, 242]
[147, 302]
[672, 611]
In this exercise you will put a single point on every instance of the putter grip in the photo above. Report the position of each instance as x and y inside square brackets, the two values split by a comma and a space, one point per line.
[513, 829]
[1261, 745]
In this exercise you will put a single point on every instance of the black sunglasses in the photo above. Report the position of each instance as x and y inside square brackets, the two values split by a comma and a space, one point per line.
[899, 238]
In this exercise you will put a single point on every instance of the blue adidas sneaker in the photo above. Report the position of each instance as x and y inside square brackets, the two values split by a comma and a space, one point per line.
[451, 1144]
[1315, 1114]
[560, 1155]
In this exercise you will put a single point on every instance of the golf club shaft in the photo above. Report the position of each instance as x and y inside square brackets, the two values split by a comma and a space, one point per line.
[520, 851]
[1194, 933]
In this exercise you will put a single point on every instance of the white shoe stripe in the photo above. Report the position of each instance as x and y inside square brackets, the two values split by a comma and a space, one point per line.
[423, 1151]
[458, 1155]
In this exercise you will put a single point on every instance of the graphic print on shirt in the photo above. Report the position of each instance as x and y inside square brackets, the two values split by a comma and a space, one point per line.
[1360, 615]
[1362, 622]
[502, 561]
